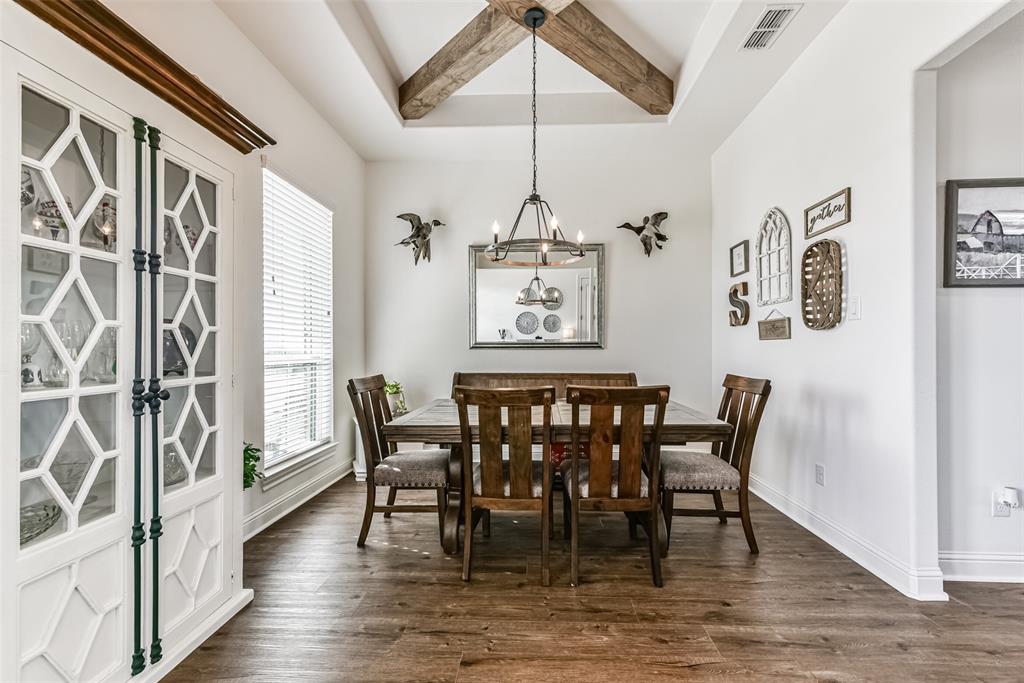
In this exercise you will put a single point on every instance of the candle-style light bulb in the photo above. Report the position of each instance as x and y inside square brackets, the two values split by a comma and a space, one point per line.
[544, 247]
[579, 237]
[554, 227]
[495, 229]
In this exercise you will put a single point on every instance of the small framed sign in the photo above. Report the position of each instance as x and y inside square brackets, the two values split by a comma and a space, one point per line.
[828, 214]
[739, 258]
[774, 328]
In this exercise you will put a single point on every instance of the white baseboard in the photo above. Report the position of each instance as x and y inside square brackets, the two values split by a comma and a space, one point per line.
[988, 567]
[260, 519]
[917, 583]
[175, 656]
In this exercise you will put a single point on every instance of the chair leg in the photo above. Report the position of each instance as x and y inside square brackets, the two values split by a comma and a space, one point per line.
[392, 492]
[551, 516]
[487, 523]
[467, 545]
[667, 511]
[566, 515]
[442, 508]
[545, 543]
[722, 519]
[632, 527]
[652, 539]
[371, 493]
[574, 543]
[748, 528]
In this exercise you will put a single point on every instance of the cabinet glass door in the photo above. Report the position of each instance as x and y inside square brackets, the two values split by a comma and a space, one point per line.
[71, 579]
[191, 213]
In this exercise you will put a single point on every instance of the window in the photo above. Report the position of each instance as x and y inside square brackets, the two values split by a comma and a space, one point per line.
[298, 378]
[774, 275]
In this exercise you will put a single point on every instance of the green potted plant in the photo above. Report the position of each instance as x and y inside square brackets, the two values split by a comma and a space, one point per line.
[396, 398]
[250, 460]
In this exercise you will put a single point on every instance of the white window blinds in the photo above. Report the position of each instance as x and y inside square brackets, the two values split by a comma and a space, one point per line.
[297, 323]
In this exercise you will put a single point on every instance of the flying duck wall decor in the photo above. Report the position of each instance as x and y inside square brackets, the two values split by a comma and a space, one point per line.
[649, 231]
[419, 238]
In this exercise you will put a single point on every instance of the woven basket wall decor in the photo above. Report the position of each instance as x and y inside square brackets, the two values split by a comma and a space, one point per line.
[821, 285]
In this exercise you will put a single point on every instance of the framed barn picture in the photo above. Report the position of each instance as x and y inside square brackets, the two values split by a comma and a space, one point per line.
[984, 233]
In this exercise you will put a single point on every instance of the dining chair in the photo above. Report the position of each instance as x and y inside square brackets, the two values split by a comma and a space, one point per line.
[629, 484]
[727, 466]
[386, 466]
[518, 483]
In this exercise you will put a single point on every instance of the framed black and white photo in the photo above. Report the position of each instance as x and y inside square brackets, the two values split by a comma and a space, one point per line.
[828, 214]
[739, 258]
[984, 233]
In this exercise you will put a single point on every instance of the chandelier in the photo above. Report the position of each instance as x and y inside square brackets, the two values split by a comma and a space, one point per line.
[539, 295]
[549, 247]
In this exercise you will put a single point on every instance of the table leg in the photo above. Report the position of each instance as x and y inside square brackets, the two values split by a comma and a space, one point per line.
[455, 514]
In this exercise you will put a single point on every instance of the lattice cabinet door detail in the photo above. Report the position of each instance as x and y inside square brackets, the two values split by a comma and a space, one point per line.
[193, 567]
[71, 595]
[774, 260]
[120, 535]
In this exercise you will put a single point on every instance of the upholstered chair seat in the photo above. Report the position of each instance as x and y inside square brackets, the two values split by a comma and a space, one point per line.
[686, 470]
[427, 468]
[536, 486]
[584, 474]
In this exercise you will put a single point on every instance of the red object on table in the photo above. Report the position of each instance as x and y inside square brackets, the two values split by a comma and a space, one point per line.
[560, 453]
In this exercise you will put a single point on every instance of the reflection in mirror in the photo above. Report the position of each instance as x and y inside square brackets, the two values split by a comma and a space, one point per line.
[547, 307]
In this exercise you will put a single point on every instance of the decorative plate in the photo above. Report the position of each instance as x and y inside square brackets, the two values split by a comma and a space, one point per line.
[527, 323]
[552, 298]
[552, 323]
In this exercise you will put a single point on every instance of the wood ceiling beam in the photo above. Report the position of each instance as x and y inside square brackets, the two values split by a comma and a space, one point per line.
[582, 37]
[480, 43]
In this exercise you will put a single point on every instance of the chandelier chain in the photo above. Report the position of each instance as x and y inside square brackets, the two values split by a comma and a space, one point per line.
[534, 102]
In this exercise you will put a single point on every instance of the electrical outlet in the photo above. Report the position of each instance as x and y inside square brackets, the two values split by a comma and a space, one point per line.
[999, 509]
[819, 474]
[854, 307]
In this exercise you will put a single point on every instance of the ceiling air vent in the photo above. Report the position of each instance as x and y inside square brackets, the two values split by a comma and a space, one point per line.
[769, 25]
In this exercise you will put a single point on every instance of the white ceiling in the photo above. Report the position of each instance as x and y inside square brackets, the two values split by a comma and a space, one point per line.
[347, 58]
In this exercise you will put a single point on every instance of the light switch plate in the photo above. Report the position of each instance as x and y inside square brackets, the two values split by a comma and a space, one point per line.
[819, 474]
[854, 312]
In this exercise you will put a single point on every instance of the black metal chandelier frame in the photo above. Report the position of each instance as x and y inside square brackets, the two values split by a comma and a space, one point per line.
[549, 248]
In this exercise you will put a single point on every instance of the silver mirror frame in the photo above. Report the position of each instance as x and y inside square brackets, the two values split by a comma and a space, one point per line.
[597, 249]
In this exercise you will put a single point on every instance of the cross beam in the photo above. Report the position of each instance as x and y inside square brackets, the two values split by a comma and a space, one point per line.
[570, 28]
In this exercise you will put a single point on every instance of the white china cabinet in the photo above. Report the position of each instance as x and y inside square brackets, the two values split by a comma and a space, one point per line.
[119, 480]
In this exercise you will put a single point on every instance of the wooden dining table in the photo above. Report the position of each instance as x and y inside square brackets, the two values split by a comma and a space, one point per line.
[437, 422]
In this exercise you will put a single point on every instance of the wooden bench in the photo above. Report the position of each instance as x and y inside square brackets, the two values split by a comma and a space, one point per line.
[534, 380]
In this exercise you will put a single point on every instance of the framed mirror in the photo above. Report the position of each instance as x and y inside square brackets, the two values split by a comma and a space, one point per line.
[549, 307]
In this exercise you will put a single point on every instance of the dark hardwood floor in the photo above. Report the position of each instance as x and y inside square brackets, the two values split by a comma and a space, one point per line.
[397, 610]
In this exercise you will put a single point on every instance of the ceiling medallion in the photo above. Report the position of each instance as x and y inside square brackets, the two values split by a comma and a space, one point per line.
[549, 247]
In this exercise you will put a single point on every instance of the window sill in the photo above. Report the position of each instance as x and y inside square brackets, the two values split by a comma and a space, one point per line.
[282, 472]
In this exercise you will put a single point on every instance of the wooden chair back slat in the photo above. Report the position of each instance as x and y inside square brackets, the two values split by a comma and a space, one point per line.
[535, 380]
[602, 421]
[631, 450]
[492, 479]
[490, 434]
[629, 435]
[370, 405]
[520, 447]
[743, 402]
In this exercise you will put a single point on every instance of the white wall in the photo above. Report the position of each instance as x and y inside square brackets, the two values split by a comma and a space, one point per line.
[859, 399]
[981, 368]
[310, 154]
[417, 318]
